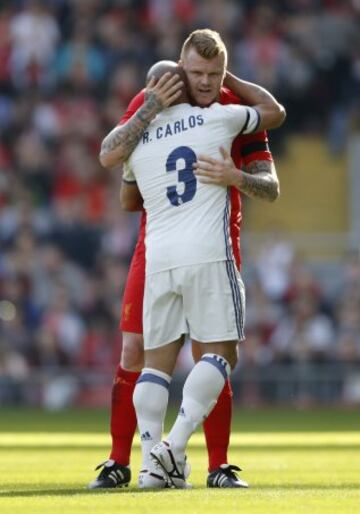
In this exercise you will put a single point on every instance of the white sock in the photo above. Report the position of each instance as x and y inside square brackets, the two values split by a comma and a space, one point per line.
[150, 399]
[200, 393]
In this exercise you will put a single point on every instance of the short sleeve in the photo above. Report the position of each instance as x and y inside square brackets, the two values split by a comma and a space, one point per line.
[128, 174]
[251, 147]
[242, 118]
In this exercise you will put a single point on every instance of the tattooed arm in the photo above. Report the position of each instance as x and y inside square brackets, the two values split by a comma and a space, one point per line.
[272, 113]
[258, 181]
[118, 145]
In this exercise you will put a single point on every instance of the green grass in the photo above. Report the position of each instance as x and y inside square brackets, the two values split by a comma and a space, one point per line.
[296, 462]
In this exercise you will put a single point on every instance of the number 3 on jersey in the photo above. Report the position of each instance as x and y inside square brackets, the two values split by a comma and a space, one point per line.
[185, 175]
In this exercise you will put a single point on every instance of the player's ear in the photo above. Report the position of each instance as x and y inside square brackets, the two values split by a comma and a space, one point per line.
[180, 63]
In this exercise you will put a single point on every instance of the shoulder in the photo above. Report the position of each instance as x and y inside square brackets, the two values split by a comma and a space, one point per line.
[228, 97]
[226, 109]
[133, 106]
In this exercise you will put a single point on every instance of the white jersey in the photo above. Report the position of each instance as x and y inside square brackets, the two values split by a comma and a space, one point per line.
[187, 222]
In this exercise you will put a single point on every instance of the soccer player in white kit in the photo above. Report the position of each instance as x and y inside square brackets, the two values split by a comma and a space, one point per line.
[192, 284]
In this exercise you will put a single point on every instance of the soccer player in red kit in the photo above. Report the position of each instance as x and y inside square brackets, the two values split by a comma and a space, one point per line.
[250, 153]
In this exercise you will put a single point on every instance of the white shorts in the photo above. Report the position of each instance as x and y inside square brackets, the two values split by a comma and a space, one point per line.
[206, 301]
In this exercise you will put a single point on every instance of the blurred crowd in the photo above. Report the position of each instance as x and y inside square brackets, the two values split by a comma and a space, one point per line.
[68, 69]
[302, 327]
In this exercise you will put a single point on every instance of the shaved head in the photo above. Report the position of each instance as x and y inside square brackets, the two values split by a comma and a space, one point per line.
[158, 69]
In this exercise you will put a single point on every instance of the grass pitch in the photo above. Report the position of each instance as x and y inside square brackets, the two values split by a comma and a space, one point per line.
[296, 462]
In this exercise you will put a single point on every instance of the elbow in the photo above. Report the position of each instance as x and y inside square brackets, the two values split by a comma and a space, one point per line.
[104, 161]
[277, 117]
[275, 192]
[108, 160]
[282, 113]
[111, 157]
[271, 118]
[280, 116]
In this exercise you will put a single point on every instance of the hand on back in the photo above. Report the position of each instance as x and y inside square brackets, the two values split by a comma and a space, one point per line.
[220, 172]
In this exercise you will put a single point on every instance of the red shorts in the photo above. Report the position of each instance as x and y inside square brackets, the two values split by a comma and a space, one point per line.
[132, 303]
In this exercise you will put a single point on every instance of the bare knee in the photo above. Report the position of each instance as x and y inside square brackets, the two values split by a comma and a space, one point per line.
[164, 358]
[227, 349]
[232, 357]
[196, 351]
[229, 352]
[132, 355]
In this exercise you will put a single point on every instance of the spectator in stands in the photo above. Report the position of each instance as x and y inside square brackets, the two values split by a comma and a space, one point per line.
[34, 36]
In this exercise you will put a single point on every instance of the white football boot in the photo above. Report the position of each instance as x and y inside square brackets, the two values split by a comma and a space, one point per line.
[150, 480]
[176, 471]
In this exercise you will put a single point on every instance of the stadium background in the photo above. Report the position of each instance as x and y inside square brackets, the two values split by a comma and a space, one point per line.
[67, 71]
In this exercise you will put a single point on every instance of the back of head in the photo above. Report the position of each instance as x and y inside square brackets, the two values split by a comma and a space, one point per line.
[158, 69]
[206, 42]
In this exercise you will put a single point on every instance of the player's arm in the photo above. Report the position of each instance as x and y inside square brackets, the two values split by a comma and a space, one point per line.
[272, 113]
[118, 145]
[130, 197]
[258, 179]
[252, 172]
[258, 171]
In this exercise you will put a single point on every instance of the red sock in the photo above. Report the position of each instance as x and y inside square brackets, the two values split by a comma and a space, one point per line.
[217, 427]
[123, 417]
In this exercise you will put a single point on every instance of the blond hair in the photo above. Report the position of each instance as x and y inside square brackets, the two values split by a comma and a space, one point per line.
[206, 42]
